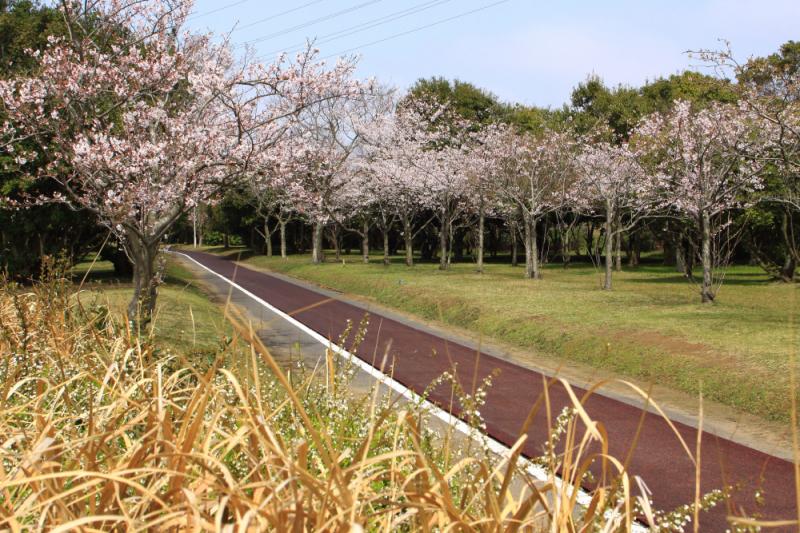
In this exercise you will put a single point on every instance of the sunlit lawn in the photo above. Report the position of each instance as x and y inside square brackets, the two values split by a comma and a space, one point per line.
[186, 320]
[650, 326]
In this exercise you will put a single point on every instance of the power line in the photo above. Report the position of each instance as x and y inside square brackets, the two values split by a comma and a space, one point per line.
[276, 15]
[358, 28]
[217, 10]
[419, 28]
[310, 22]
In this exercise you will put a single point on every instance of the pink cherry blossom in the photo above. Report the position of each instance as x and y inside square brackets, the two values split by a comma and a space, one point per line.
[158, 121]
[708, 156]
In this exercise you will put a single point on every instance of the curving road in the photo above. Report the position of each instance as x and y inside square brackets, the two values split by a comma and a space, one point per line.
[659, 458]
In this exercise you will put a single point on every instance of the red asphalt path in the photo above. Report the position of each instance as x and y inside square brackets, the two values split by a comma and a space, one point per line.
[420, 357]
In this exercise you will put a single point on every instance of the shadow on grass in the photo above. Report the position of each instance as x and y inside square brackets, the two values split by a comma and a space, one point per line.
[99, 277]
[233, 253]
[651, 269]
[738, 279]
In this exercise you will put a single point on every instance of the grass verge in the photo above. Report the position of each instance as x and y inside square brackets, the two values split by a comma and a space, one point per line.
[185, 319]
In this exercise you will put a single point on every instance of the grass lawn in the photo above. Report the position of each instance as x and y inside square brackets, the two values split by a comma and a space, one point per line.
[650, 327]
[185, 319]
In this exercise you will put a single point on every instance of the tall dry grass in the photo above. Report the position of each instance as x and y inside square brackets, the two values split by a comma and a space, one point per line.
[101, 429]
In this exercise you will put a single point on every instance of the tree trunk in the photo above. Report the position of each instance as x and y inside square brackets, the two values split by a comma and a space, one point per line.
[226, 242]
[481, 223]
[514, 250]
[680, 258]
[495, 239]
[706, 291]
[283, 238]
[526, 241]
[618, 250]
[788, 269]
[536, 272]
[531, 250]
[337, 246]
[385, 232]
[609, 246]
[316, 244]
[451, 241]
[443, 245]
[566, 256]
[790, 263]
[194, 226]
[668, 249]
[546, 238]
[633, 249]
[267, 239]
[145, 282]
[408, 236]
[365, 243]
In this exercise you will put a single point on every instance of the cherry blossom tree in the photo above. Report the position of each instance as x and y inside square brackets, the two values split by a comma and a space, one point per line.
[146, 126]
[409, 150]
[310, 185]
[436, 146]
[536, 178]
[484, 171]
[393, 180]
[268, 191]
[367, 197]
[330, 133]
[373, 191]
[708, 156]
[769, 89]
[612, 181]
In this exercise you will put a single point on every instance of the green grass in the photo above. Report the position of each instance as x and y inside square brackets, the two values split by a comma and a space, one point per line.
[650, 327]
[186, 320]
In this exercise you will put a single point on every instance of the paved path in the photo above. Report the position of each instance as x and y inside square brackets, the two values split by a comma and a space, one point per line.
[420, 357]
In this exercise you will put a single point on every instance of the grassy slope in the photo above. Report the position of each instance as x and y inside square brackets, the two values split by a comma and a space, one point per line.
[649, 327]
[186, 320]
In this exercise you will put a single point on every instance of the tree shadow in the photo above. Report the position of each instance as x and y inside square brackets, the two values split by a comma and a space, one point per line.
[104, 277]
[232, 253]
[738, 279]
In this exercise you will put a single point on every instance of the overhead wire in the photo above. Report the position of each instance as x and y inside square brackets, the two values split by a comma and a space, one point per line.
[276, 15]
[217, 10]
[418, 28]
[358, 28]
[308, 23]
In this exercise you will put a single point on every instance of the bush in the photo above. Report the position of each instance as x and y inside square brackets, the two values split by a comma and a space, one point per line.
[216, 238]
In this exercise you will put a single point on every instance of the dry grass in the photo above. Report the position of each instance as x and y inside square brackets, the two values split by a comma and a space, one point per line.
[103, 430]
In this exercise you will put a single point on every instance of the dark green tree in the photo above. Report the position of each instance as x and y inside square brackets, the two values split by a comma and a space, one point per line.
[533, 119]
[593, 106]
[467, 100]
[770, 88]
[231, 220]
[29, 234]
[696, 87]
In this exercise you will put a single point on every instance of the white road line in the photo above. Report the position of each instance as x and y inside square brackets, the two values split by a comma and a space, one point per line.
[539, 473]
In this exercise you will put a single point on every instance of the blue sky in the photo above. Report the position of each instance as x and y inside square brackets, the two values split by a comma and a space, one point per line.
[528, 51]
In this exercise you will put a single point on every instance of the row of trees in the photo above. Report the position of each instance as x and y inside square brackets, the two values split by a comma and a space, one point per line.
[420, 161]
[137, 122]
